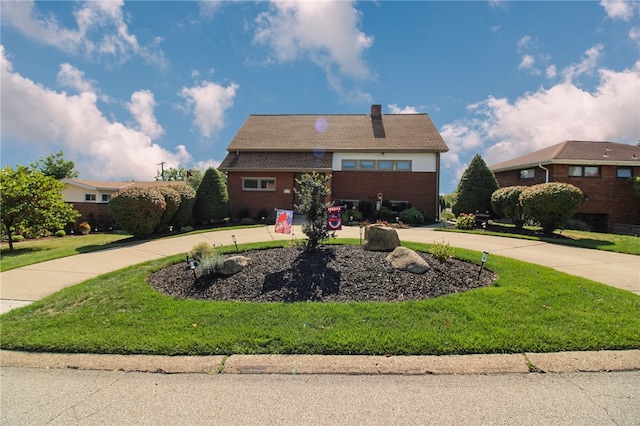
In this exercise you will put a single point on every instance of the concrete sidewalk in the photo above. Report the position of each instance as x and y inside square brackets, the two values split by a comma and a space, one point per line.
[22, 286]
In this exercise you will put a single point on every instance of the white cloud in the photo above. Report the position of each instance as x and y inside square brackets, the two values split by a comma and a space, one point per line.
[528, 64]
[209, 101]
[395, 109]
[141, 107]
[34, 115]
[502, 129]
[524, 42]
[618, 9]
[551, 71]
[587, 65]
[71, 77]
[324, 31]
[107, 16]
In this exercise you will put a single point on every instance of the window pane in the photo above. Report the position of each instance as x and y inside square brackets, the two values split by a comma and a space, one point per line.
[367, 165]
[385, 165]
[349, 164]
[403, 165]
[105, 197]
[575, 170]
[267, 184]
[592, 171]
[250, 183]
[623, 172]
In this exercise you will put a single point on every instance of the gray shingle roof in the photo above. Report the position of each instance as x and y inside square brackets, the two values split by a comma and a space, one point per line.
[277, 161]
[572, 152]
[333, 133]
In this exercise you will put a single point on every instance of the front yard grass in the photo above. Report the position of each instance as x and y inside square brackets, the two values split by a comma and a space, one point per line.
[530, 308]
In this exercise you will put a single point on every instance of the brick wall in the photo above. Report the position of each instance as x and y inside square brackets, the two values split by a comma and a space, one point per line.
[259, 200]
[97, 214]
[605, 195]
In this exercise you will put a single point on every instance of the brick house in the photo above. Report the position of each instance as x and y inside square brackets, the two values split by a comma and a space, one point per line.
[91, 198]
[395, 157]
[602, 171]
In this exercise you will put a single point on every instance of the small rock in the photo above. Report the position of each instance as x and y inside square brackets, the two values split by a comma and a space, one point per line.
[407, 260]
[234, 264]
[379, 237]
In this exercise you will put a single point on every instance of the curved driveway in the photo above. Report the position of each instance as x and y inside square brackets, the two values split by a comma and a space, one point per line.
[24, 285]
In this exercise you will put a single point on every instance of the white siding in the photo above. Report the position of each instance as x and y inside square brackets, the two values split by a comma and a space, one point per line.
[420, 162]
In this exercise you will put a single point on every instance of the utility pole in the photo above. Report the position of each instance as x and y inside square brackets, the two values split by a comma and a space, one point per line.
[161, 169]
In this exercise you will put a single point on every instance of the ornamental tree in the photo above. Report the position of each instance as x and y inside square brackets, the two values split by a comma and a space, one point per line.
[475, 188]
[506, 203]
[551, 204]
[212, 198]
[29, 199]
[313, 191]
[56, 166]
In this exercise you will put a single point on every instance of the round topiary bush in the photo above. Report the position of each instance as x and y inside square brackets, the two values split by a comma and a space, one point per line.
[173, 199]
[551, 204]
[138, 210]
[183, 215]
[60, 233]
[506, 203]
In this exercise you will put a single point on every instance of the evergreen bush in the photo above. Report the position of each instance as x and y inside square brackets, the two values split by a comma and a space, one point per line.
[138, 210]
[413, 216]
[551, 204]
[506, 203]
[475, 188]
[212, 198]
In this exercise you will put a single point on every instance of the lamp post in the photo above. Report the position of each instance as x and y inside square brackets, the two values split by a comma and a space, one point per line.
[233, 238]
[484, 259]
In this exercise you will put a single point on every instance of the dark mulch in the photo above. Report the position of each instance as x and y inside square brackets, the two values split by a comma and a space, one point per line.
[340, 273]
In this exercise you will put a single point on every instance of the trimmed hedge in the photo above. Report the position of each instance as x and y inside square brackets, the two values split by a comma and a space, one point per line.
[506, 203]
[184, 214]
[551, 204]
[138, 210]
[172, 199]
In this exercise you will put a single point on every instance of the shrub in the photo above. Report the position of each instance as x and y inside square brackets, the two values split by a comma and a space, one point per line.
[506, 203]
[84, 226]
[201, 251]
[244, 212]
[212, 198]
[60, 233]
[551, 204]
[349, 216]
[210, 264]
[17, 238]
[247, 221]
[384, 213]
[447, 215]
[366, 208]
[475, 188]
[312, 191]
[172, 198]
[412, 215]
[184, 213]
[137, 210]
[577, 225]
[466, 221]
[186, 229]
[441, 251]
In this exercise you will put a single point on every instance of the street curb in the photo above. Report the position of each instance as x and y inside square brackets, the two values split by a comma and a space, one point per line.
[558, 362]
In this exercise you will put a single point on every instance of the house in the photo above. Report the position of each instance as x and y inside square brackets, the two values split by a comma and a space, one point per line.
[392, 159]
[602, 171]
[91, 198]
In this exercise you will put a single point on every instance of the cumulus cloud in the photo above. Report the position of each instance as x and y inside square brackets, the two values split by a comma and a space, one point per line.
[324, 31]
[618, 9]
[395, 109]
[587, 65]
[71, 77]
[501, 129]
[528, 64]
[209, 101]
[114, 41]
[37, 116]
[141, 107]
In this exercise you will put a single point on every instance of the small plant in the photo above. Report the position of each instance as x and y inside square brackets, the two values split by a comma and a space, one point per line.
[466, 221]
[446, 215]
[577, 225]
[186, 228]
[210, 264]
[412, 216]
[84, 227]
[441, 251]
[60, 233]
[201, 251]
[349, 216]
[17, 238]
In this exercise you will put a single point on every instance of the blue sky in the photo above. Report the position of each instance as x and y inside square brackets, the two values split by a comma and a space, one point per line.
[122, 86]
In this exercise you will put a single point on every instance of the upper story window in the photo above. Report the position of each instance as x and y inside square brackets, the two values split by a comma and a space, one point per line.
[527, 173]
[584, 171]
[89, 197]
[379, 165]
[624, 172]
[258, 184]
[106, 198]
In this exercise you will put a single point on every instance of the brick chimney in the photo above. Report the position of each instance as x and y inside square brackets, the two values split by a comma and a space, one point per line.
[376, 111]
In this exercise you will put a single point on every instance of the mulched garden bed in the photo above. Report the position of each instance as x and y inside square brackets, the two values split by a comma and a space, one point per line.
[340, 273]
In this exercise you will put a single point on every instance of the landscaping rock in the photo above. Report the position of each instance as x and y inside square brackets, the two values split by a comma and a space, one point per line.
[234, 264]
[379, 237]
[406, 259]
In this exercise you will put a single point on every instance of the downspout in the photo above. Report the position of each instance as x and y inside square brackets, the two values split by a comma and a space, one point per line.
[546, 178]
[437, 212]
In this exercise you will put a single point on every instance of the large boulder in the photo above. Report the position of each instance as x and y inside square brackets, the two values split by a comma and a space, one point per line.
[407, 260]
[234, 264]
[380, 237]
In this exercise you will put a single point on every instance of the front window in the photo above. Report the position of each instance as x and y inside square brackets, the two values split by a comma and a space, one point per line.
[584, 171]
[403, 165]
[258, 184]
[106, 198]
[527, 174]
[367, 164]
[89, 197]
[349, 164]
[624, 172]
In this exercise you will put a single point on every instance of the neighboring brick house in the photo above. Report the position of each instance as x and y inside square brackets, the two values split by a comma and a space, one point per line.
[396, 156]
[602, 170]
[91, 198]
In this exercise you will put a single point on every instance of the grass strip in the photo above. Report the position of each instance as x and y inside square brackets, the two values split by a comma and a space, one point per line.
[529, 309]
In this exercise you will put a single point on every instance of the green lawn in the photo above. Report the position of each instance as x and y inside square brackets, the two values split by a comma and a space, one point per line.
[592, 240]
[530, 308]
[30, 252]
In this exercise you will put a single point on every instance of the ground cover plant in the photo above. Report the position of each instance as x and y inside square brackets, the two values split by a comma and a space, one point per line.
[627, 244]
[529, 308]
[30, 252]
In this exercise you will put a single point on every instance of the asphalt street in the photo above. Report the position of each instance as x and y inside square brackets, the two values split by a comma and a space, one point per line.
[65, 396]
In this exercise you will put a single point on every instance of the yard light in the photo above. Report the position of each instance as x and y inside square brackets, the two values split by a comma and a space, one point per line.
[192, 266]
[233, 238]
[360, 234]
[484, 259]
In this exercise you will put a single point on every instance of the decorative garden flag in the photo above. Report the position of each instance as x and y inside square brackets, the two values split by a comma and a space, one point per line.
[334, 218]
[284, 220]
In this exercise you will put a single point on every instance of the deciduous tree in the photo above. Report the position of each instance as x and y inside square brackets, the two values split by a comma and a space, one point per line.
[312, 191]
[56, 166]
